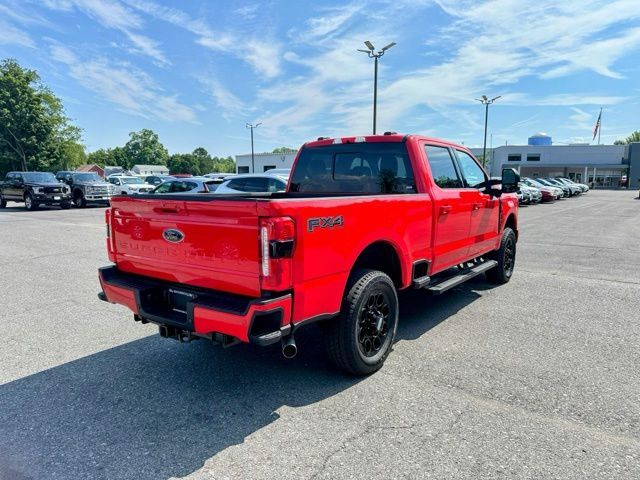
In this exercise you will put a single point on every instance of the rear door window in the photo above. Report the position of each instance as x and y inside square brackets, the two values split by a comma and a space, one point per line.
[182, 186]
[368, 168]
[443, 168]
[276, 185]
[250, 184]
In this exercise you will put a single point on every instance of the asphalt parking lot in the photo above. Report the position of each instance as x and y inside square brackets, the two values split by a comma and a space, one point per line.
[539, 378]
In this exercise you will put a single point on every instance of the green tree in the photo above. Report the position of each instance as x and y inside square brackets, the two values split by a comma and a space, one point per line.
[108, 157]
[184, 163]
[35, 133]
[634, 137]
[224, 165]
[203, 159]
[284, 150]
[144, 148]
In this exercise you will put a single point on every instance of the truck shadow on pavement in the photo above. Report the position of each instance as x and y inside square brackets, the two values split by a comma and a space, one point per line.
[153, 409]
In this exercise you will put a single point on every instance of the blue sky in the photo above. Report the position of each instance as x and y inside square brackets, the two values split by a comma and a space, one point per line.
[197, 71]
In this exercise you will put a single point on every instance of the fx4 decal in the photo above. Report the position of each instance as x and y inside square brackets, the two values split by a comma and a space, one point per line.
[324, 222]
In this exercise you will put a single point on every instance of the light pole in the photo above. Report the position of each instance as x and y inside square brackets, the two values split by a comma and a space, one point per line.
[248, 125]
[486, 102]
[371, 54]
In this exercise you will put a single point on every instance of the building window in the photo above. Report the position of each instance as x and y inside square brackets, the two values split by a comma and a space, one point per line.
[268, 167]
[514, 158]
[533, 157]
[243, 169]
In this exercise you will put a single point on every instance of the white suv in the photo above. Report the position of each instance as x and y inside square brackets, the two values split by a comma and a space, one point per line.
[128, 185]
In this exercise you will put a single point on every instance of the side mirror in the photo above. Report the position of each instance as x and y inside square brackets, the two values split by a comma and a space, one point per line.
[510, 180]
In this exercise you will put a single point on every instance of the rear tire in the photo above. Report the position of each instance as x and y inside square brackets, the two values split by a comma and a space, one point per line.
[3, 202]
[506, 258]
[359, 340]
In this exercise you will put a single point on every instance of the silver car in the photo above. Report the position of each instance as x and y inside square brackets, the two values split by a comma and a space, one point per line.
[186, 185]
[252, 183]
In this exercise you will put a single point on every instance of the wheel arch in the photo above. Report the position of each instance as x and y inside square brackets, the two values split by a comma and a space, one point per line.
[384, 256]
[512, 223]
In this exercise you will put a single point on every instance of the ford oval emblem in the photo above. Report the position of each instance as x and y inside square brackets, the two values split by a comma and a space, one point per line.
[172, 235]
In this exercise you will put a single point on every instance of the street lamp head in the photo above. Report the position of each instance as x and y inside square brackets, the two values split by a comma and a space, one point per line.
[363, 50]
[495, 98]
[369, 45]
[384, 49]
[484, 97]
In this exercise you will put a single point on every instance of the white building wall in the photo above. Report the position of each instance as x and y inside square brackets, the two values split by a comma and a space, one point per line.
[561, 156]
[262, 160]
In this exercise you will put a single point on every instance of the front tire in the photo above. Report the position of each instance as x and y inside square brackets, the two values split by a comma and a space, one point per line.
[65, 206]
[359, 340]
[3, 202]
[79, 200]
[506, 258]
[29, 202]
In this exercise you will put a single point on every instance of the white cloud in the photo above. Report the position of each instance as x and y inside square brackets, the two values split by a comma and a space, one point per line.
[328, 24]
[262, 53]
[490, 48]
[13, 35]
[247, 11]
[115, 15]
[231, 105]
[129, 88]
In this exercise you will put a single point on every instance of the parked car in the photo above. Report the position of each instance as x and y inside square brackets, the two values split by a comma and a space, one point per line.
[34, 189]
[574, 190]
[252, 182]
[566, 181]
[534, 194]
[549, 194]
[158, 179]
[523, 197]
[563, 188]
[127, 185]
[87, 187]
[219, 175]
[186, 185]
[363, 217]
[283, 173]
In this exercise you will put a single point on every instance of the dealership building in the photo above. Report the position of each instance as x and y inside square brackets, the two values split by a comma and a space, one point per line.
[263, 162]
[607, 166]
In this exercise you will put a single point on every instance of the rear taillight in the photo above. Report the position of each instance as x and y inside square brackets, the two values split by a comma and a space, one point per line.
[110, 249]
[277, 240]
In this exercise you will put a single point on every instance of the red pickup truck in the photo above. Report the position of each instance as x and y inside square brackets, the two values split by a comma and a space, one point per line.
[362, 217]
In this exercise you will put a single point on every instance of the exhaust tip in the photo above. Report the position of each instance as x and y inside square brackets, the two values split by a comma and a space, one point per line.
[289, 348]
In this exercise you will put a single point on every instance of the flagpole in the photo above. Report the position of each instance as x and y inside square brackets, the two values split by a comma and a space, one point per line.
[600, 128]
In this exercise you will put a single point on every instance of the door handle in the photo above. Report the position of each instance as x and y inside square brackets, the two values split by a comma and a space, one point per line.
[476, 206]
[445, 209]
[168, 208]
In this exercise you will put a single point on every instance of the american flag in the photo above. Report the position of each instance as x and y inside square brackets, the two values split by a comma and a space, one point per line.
[597, 127]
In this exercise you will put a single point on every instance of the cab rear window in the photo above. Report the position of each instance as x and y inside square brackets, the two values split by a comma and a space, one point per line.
[374, 168]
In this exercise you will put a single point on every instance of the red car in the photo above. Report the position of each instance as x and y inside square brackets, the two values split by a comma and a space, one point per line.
[362, 218]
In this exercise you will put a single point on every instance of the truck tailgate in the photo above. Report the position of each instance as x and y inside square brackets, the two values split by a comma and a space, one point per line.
[211, 243]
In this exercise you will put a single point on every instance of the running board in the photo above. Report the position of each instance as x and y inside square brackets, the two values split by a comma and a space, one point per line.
[462, 277]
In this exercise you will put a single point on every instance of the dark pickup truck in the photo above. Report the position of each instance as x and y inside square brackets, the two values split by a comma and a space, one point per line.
[87, 187]
[34, 189]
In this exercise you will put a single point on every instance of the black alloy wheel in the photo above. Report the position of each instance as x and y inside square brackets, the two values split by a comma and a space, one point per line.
[373, 323]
